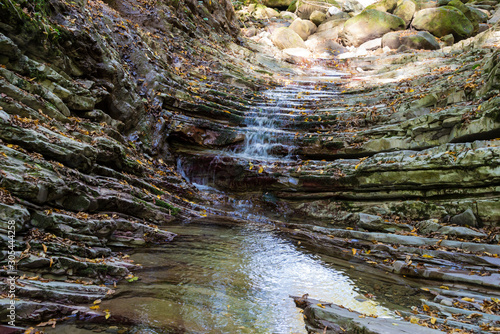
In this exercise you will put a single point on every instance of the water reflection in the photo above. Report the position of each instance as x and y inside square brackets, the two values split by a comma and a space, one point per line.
[220, 280]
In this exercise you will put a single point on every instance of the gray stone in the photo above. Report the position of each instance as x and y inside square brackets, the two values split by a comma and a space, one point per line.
[466, 218]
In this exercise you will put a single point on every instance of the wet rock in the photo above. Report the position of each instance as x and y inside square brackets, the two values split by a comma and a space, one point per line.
[331, 318]
[351, 6]
[286, 38]
[421, 40]
[303, 28]
[368, 25]
[443, 21]
[466, 218]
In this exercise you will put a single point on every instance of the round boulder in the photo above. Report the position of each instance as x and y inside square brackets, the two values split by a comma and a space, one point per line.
[384, 5]
[405, 10]
[303, 28]
[370, 24]
[420, 40]
[317, 17]
[443, 21]
[277, 3]
[286, 38]
[305, 9]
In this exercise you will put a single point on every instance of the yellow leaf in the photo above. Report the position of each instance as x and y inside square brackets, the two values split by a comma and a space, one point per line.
[107, 315]
[414, 320]
[354, 251]
[95, 307]
[433, 320]
[44, 248]
[261, 169]
[97, 301]
[51, 262]
[444, 287]
[427, 256]
[425, 289]
[467, 299]
[426, 308]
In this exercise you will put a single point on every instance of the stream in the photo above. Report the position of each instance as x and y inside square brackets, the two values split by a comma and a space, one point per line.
[238, 279]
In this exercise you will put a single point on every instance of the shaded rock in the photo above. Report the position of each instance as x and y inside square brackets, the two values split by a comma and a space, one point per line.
[370, 24]
[377, 224]
[318, 17]
[428, 226]
[482, 27]
[286, 38]
[249, 32]
[13, 212]
[405, 10]
[303, 28]
[448, 40]
[478, 15]
[330, 25]
[443, 21]
[466, 11]
[411, 39]
[466, 218]
[461, 232]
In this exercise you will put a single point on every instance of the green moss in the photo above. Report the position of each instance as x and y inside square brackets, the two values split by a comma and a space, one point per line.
[168, 206]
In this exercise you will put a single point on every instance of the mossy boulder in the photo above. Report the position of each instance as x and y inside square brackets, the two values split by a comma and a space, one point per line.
[304, 28]
[368, 25]
[443, 21]
[277, 3]
[405, 10]
[317, 17]
[286, 38]
[466, 11]
[411, 39]
[384, 5]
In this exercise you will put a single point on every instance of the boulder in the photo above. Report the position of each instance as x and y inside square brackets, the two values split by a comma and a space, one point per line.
[351, 6]
[304, 10]
[277, 3]
[331, 25]
[303, 28]
[370, 24]
[478, 15]
[466, 218]
[443, 21]
[466, 11]
[405, 10]
[286, 38]
[288, 15]
[296, 55]
[317, 17]
[412, 39]
[372, 44]
[448, 40]
[423, 4]
[324, 45]
[384, 5]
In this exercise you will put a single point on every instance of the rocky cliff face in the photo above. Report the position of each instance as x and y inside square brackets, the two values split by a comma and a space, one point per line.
[98, 99]
[89, 93]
